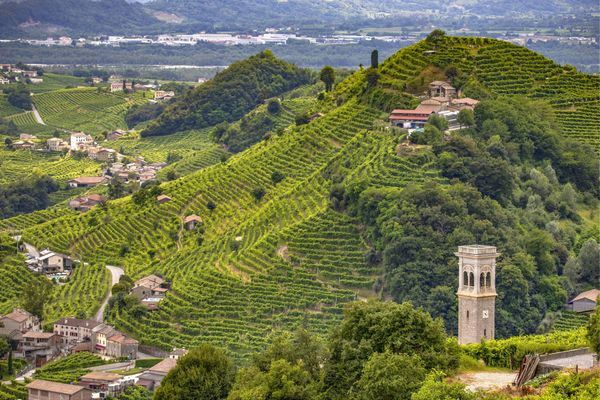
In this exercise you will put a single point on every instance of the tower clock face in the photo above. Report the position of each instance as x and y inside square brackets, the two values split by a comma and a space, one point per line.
[486, 314]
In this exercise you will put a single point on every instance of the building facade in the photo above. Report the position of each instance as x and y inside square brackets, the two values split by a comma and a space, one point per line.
[476, 293]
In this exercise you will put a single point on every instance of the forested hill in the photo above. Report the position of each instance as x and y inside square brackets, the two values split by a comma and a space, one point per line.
[229, 95]
[345, 207]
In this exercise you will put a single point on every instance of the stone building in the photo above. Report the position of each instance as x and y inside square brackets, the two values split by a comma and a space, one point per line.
[476, 293]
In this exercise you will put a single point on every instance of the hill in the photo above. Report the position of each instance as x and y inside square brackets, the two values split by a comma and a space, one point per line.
[229, 95]
[344, 208]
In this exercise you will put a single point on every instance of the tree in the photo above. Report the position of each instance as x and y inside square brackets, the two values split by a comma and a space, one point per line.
[375, 59]
[435, 388]
[11, 368]
[439, 122]
[258, 193]
[327, 76]
[282, 381]
[116, 188]
[435, 35]
[593, 330]
[4, 347]
[35, 295]
[390, 376]
[274, 106]
[277, 176]
[466, 118]
[8, 143]
[372, 77]
[211, 205]
[205, 373]
[378, 327]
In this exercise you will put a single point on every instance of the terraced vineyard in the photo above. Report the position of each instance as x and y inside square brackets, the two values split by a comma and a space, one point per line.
[569, 321]
[81, 295]
[288, 257]
[15, 275]
[26, 123]
[84, 109]
[68, 369]
[505, 69]
[20, 164]
[14, 391]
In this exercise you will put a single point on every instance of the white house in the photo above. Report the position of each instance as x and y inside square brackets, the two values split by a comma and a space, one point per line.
[79, 139]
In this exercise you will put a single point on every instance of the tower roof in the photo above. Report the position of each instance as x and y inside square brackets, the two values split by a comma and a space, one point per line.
[477, 249]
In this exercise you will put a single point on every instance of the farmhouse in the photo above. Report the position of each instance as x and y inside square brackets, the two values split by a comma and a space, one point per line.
[4, 81]
[410, 118]
[46, 390]
[57, 144]
[191, 221]
[152, 378]
[585, 301]
[115, 135]
[119, 86]
[40, 347]
[108, 341]
[73, 330]
[162, 199]
[29, 74]
[85, 203]
[441, 89]
[102, 154]
[27, 136]
[86, 181]
[149, 286]
[99, 381]
[162, 94]
[35, 81]
[23, 145]
[51, 262]
[80, 140]
[20, 320]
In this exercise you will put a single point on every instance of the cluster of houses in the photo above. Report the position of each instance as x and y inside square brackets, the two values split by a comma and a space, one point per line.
[138, 170]
[124, 85]
[442, 100]
[10, 73]
[28, 341]
[102, 384]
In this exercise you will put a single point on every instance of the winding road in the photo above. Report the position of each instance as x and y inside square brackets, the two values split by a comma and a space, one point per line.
[115, 273]
[36, 114]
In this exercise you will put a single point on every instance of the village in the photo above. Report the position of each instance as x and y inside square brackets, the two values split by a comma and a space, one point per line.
[70, 335]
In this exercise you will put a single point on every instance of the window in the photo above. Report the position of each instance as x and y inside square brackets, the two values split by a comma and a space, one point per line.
[471, 279]
[465, 279]
[488, 279]
[485, 333]
[481, 280]
[467, 314]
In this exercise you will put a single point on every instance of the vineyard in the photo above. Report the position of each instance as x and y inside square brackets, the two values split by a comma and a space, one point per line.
[25, 122]
[275, 250]
[84, 109]
[570, 320]
[15, 277]
[504, 69]
[20, 164]
[68, 369]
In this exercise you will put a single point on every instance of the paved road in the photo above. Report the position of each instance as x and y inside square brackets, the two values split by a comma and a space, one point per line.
[37, 115]
[113, 367]
[115, 273]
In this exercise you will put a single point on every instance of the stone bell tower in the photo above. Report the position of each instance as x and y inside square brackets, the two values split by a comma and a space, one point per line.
[476, 293]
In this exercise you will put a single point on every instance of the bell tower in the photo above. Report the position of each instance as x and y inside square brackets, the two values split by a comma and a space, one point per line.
[476, 293]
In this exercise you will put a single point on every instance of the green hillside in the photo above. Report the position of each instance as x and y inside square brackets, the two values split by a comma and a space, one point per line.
[230, 94]
[343, 208]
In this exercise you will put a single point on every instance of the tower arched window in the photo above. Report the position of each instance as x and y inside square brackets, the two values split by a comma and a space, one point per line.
[465, 278]
[471, 279]
[481, 280]
[488, 279]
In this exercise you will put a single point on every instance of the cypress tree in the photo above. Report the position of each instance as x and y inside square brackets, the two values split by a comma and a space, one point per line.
[375, 59]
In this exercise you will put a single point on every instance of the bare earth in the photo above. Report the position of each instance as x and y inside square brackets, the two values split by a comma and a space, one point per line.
[486, 380]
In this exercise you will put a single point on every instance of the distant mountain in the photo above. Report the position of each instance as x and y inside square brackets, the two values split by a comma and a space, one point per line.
[51, 17]
[43, 17]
